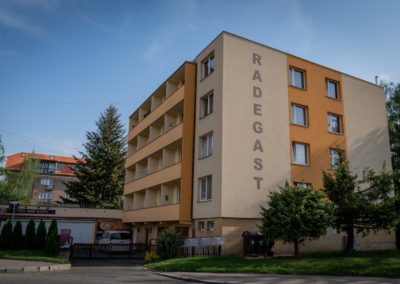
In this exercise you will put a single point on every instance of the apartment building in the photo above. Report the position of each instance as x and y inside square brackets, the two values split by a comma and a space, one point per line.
[261, 117]
[53, 172]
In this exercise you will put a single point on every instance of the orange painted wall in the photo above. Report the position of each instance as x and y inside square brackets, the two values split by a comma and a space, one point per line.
[185, 205]
[316, 135]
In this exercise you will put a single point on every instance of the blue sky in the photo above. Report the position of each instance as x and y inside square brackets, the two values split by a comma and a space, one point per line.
[62, 62]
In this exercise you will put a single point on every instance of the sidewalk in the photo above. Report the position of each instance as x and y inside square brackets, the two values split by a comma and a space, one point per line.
[234, 278]
[11, 265]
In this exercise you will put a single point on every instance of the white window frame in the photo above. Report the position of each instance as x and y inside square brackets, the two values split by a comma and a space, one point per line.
[336, 96]
[294, 120]
[206, 145]
[201, 226]
[301, 184]
[292, 71]
[339, 123]
[335, 162]
[205, 193]
[295, 160]
[46, 181]
[45, 195]
[210, 226]
[208, 65]
[207, 104]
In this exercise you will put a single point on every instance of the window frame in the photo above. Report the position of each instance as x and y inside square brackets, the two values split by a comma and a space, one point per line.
[294, 105]
[210, 145]
[302, 184]
[337, 150]
[210, 226]
[208, 188]
[337, 98]
[293, 69]
[307, 153]
[207, 67]
[201, 226]
[209, 99]
[340, 124]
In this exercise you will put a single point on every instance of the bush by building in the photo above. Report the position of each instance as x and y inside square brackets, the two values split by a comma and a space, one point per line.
[40, 239]
[168, 244]
[18, 238]
[6, 236]
[30, 234]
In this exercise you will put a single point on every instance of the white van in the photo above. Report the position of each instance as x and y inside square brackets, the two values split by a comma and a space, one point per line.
[115, 237]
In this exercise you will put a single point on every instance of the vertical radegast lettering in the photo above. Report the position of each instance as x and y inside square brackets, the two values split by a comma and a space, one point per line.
[257, 125]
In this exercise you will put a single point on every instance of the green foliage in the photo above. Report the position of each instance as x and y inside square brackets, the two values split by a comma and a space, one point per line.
[18, 238]
[101, 172]
[168, 244]
[16, 185]
[360, 205]
[31, 255]
[30, 235]
[40, 240]
[151, 256]
[52, 246]
[53, 228]
[6, 236]
[294, 214]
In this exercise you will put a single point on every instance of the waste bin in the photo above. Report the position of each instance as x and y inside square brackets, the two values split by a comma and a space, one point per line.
[255, 244]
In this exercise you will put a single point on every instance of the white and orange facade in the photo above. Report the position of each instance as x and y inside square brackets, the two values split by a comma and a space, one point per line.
[206, 148]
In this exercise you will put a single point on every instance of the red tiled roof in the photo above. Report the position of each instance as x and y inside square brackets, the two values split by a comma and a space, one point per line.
[15, 161]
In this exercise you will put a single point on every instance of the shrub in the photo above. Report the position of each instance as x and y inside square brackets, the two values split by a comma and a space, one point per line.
[18, 238]
[6, 236]
[151, 257]
[30, 235]
[168, 244]
[52, 244]
[40, 240]
[53, 227]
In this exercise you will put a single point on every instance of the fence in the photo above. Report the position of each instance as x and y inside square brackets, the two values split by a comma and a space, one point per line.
[88, 251]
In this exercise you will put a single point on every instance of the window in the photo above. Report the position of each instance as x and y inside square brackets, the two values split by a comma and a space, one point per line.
[45, 196]
[207, 104]
[299, 115]
[205, 188]
[46, 181]
[301, 184]
[334, 124]
[335, 156]
[47, 167]
[208, 66]
[201, 226]
[60, 167]
[300, 153]
[297, 78]
[210, 226]
[206, 144]
[332, 89]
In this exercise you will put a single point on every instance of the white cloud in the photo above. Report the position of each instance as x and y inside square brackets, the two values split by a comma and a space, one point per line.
[19, 23]
[385, 77]
[301, 25]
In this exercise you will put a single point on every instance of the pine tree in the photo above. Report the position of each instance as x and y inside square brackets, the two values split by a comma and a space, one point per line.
[52, 246]
[40, 240]
[361, 204]
[53, 227]
[6, 236]
[101, 171]
[30, 235]
[18, 239]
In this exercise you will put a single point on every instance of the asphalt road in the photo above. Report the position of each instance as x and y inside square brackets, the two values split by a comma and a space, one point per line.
[87, 275]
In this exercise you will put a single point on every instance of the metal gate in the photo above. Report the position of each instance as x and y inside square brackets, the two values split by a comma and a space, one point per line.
[89, 251]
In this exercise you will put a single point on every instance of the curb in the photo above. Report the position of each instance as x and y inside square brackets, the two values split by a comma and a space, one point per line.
[58, 267]
[190, 279]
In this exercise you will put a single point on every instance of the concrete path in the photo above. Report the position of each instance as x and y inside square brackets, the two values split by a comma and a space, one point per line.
[234, 278]
[11, 265]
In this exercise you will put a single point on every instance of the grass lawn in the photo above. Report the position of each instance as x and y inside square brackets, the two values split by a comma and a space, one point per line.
[32, 255]
[380, 264]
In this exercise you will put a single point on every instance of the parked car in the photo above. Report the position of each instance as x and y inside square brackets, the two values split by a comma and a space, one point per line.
[116, 240]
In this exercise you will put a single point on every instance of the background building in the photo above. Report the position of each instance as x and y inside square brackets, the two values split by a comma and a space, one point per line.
[53, 172]
[262, 117]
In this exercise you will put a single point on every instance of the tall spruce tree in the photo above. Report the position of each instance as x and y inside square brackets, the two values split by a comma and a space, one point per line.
[361, 204]
[101, 171]
[392, 92]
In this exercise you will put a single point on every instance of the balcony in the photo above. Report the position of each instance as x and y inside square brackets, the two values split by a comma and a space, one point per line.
[167, 138]
[162, 176]
[153, 214]
[151, 116]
